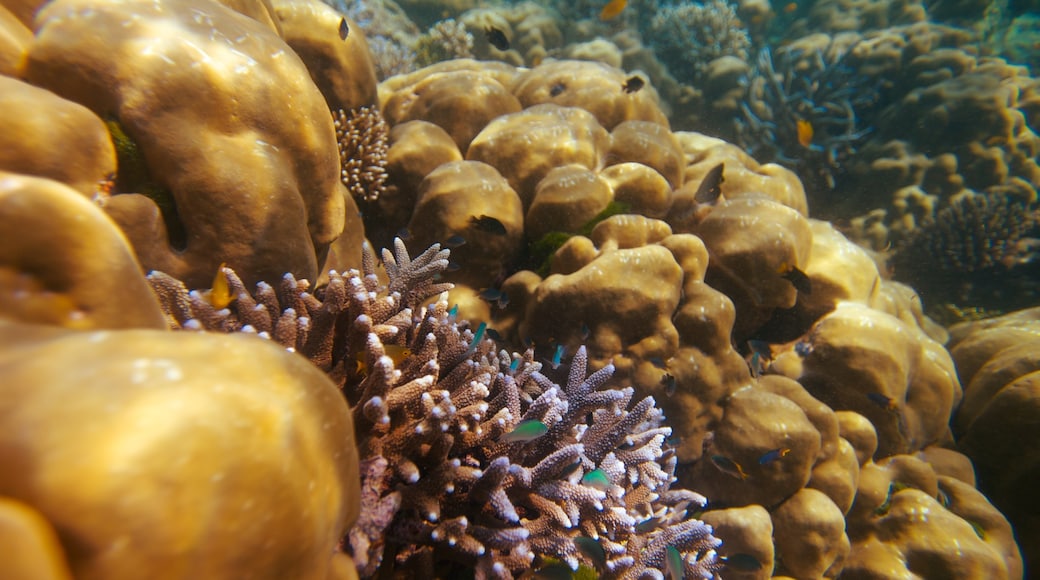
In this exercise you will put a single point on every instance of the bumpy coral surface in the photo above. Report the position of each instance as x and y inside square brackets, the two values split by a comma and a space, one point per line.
[145, 451]
[215, 177]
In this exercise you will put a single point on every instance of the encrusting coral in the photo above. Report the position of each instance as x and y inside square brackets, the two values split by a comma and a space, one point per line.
[470, 455]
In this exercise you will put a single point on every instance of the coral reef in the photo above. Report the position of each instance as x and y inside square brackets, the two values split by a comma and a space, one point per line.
[808, 110]
[687, 38]
[997, 361]
[445, 40]
[363, 137]
[982, 250]
[451, 472]
[182, 221]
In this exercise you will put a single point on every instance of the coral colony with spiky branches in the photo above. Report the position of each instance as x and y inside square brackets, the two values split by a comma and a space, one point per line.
[471, 457]
[807, 110]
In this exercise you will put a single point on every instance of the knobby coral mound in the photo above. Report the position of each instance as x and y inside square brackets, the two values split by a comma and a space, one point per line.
[470, 456]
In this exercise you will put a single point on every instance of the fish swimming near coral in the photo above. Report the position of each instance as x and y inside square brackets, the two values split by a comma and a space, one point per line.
[612, 9]
[496, 38]
[673, 562]
[478, 336]
[557, 357]
[220, 294]
[773, 455]
[344, 29]
[805, 132]
[633, 84]
[799, 279]
[488, 224]
[743, 562]
[711, 186]
[526, 431]
[592, 550]
[596, 479]
[884, 401]
[398, 354]
[729, 467]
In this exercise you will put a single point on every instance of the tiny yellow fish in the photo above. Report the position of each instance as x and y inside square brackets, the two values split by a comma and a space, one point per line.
[805, 132]
[612, 9]
[220, 295]
[396, 353]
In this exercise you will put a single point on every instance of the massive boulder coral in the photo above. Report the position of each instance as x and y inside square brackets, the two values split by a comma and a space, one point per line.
[217, 177]
[64, 262]
[176, 454]
[35, 123]
[870, 362]
[997, 361]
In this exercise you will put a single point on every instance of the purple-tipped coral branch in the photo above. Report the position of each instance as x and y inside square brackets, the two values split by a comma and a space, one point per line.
[472, 458]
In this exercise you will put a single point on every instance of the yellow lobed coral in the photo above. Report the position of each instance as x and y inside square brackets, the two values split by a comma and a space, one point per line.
[174, 455]
[64, 262]
[194, 86]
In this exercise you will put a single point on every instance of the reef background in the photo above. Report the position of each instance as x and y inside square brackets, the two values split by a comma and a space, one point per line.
[745, 290]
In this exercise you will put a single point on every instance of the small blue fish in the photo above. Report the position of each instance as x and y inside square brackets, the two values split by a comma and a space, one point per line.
[761, 347]
[756, 365]
[494, 335]
[557, 357]
[743, 562]
[478, 336]
[453, 267]
[503, 301]
[455, 241]
[771, 456]
[453, 313]
[803, 348]
[515, 365]
[490, 294]
[592, 550]
[596, 479]
[526, 431]
[673, 562]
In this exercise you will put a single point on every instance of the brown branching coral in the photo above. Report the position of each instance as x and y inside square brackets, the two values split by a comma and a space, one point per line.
[362, 135]
[978, 245]
[471, 457]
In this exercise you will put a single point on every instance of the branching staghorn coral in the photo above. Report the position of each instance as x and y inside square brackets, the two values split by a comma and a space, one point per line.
[363, 138]
[471, 457]
[818, 89]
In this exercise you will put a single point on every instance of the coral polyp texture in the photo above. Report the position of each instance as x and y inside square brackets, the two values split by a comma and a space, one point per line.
[470, 455]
